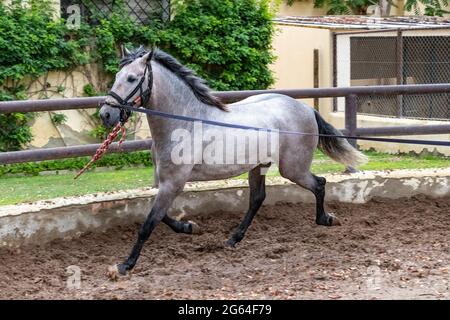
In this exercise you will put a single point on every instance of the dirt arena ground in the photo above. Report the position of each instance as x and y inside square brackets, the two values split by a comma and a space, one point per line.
[384, 249]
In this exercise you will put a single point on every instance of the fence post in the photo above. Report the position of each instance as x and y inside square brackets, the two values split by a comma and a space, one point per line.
[335, 58]
[351, 106]
[351, 124]
[400, 68]
[316, 76]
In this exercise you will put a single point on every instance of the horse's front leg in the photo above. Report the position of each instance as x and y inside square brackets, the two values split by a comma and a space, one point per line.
[257, 183]
[155, 167]
[166, 194]
[189, 227]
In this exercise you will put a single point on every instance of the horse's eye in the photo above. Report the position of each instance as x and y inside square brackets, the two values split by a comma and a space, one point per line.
[131, 79]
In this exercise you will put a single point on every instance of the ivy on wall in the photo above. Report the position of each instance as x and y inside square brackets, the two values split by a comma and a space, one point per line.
[228, 42]
[32, 42]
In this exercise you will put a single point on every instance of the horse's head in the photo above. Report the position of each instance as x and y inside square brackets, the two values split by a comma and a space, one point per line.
[132, 87]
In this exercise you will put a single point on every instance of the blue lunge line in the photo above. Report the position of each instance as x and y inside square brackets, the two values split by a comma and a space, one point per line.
[238, 126]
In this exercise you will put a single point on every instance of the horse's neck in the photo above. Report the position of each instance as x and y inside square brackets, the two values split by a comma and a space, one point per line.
[171, 95]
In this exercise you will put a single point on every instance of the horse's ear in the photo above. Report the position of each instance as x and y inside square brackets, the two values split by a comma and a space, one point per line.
[124, 51]
[147, 57]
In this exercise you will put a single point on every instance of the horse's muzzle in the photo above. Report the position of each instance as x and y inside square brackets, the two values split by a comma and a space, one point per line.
[109, 115]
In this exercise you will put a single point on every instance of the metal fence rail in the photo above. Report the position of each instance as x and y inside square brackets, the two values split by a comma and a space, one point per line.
[232, 96]
[70, 152]
[351, 95]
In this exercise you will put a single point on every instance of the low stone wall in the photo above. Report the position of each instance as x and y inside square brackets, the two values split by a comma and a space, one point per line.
[44, 221]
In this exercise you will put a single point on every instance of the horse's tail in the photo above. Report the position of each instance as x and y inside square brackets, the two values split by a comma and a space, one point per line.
[337, 149]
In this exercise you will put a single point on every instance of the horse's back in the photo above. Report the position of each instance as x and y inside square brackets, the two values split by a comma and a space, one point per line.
[280, 111]
[260, 98]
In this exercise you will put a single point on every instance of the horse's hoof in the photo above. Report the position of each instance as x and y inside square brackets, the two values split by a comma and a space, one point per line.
[328, 220]
[230, 244]
[123, 268]
[195, 227]
[115, 271]
[334, 221]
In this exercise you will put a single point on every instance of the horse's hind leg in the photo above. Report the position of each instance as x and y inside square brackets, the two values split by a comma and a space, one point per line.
[316, 185]
[257, 195]
[322, 218]
[180, 226]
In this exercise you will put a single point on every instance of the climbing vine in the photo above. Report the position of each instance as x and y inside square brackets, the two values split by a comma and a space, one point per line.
[32, 43]
[228, 42]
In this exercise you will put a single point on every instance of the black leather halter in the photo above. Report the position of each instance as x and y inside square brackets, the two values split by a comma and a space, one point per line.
[140, 101]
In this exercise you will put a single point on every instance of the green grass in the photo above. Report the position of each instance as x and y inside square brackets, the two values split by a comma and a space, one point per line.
[16, 189]
[382, 161]
[30, 188]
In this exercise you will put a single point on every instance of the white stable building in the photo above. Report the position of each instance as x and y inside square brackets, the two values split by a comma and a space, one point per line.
[348, 51]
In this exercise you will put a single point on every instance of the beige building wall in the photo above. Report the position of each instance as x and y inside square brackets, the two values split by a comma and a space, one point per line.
[294, 68]
[77, 129]
[60, 84]
[398, 9]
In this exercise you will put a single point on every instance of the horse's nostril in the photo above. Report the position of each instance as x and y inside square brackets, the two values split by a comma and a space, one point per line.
[107, 115]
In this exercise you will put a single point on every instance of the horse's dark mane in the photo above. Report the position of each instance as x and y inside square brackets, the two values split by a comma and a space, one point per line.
[197, 84]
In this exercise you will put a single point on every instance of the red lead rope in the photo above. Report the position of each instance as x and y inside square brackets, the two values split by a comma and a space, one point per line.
[105, 145]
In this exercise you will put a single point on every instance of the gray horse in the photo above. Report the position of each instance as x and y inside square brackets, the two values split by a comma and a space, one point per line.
[157, 81]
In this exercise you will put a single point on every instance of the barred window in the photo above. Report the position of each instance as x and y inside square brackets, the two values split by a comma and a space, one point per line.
[389, 58]
[140, 11]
